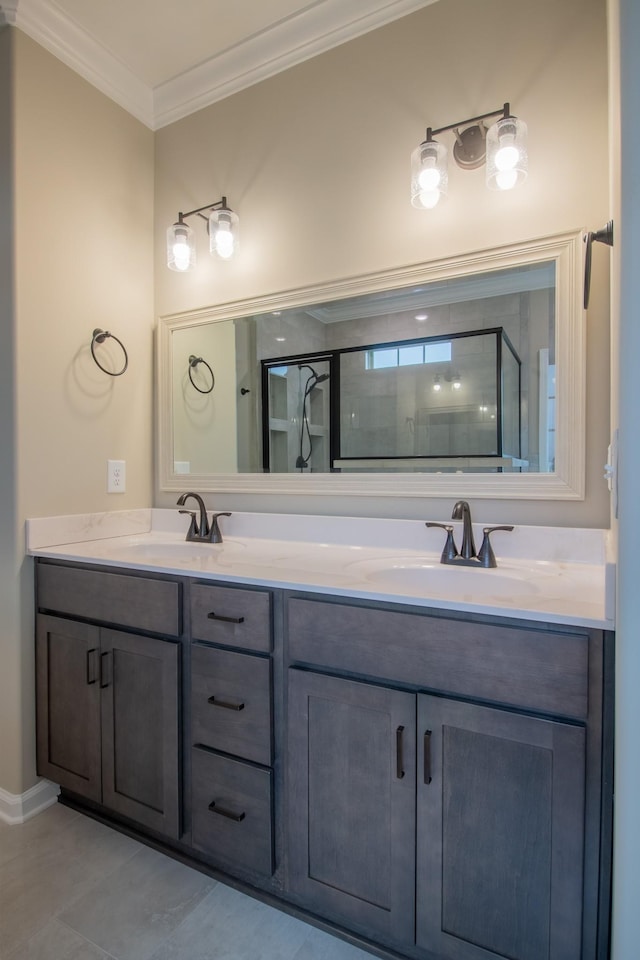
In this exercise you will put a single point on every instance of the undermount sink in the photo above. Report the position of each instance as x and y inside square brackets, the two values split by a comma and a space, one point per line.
[445, 579]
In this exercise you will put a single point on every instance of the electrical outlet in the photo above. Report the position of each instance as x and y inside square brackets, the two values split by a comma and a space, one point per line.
[116, 476]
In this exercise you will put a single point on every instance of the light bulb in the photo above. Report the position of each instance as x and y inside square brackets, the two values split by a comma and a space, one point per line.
[224, 242]
[506, 179]
[508, 154]
[507, 158]
[456, 383]
[223, 233]
[429, 177]
[181, 255]
[429, 198]
[437, 385]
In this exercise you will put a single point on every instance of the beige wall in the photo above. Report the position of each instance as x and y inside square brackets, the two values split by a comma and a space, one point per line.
[316, 162]
[83, 259]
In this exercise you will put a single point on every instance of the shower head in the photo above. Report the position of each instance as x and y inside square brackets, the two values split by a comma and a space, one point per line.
[322, 378]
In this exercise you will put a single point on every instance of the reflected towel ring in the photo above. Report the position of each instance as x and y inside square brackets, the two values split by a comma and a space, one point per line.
[193, 363]
[99, 336]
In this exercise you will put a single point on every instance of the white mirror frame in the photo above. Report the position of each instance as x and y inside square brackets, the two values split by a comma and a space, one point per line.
[566, 483]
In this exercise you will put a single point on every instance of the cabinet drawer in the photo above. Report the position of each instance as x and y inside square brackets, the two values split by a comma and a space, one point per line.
[234, 617]
[529, 668]
[231, 812]
[231, 702]
[128, 601]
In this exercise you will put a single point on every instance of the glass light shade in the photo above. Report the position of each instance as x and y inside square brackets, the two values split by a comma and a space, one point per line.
[223, 233]
[507, 157]
[429, 175]
[181, 247]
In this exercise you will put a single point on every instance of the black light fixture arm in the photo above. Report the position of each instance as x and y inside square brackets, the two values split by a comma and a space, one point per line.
[505, 111]
[218, 205]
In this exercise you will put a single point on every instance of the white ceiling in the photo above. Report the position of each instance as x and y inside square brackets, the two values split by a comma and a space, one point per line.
[164, 59]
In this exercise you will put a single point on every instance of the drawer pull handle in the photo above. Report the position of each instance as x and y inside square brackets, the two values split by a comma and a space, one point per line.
[399, 754]
[427, 756]
[223, 812]
[104, 672]
[91, 666]
[226, 704]
[215, 616]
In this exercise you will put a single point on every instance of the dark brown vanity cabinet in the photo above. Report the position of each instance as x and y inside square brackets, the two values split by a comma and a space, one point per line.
[108, 701]
[351, 801]
[231, 728]
[430, 823]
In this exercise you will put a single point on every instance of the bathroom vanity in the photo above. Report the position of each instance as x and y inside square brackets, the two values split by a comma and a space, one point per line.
[427, 777]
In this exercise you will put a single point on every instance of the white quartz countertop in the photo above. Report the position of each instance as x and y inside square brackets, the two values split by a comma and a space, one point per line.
[555, 575]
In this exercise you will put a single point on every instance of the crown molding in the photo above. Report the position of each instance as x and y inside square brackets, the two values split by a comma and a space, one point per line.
[55, 31]
[315, 29]
[8, 13]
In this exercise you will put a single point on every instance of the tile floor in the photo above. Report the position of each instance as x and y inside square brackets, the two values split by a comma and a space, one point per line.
[73, 889]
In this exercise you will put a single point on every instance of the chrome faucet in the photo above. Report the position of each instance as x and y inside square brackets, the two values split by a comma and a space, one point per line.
[467, 556]
[200, 530]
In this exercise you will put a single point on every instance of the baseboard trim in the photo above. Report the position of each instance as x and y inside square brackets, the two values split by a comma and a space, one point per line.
[18, 807]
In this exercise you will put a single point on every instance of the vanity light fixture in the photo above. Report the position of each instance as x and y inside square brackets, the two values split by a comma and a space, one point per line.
[456, 382]
[437, 386]
[503, 146]
[222, 227]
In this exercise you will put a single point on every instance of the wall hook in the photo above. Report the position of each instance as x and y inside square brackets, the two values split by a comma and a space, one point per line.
[599, 236]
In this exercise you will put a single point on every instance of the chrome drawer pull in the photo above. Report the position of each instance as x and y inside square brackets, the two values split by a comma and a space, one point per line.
[215, 616]
[229, 814]
[226, 704]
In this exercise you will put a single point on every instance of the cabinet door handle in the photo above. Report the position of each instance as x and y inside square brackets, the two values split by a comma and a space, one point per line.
[226, 704]
[399, 753]
[91, 666]
[223, 812]
[216, 616]
[104, 672]
[427, 756]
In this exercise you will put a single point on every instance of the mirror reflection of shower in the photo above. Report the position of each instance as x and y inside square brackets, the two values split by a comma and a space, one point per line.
[296, 437]
[306, 438]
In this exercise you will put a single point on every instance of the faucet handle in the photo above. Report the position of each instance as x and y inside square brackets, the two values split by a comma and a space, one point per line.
[215, 535]
[193, 530]
[486, 556]
[450, 551]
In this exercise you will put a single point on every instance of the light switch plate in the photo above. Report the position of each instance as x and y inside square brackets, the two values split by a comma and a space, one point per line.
[116, 476]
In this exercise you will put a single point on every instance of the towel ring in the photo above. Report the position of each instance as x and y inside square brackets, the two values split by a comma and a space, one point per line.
[193, 363]
[99, 336]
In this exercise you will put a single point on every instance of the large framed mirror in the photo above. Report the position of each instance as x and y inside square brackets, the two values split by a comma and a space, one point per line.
[461, 376]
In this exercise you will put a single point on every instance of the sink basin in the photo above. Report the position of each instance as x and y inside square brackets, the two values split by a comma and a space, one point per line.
[431, 577]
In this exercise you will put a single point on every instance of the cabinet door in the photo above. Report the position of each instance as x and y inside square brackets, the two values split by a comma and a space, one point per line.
[500, 833]
[139, 677]
[68, 705]
[351, 803]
